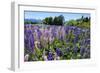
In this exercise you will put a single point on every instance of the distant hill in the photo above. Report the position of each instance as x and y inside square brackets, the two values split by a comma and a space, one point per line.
[34, 21]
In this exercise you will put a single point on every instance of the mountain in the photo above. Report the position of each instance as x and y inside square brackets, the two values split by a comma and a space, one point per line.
[33, 20]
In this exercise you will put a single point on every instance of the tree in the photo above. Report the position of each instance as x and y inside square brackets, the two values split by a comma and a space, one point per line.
[45, 21]
[55, 21]
[86, 19]
[58, 20]
[61, 19]
[48, 20]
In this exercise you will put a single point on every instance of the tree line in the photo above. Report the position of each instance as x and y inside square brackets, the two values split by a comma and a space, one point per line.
[60, 20]
[57, 20]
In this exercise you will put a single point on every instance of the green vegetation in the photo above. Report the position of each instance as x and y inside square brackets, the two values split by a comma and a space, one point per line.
[83, 22]
[65, 40]
[57, 20]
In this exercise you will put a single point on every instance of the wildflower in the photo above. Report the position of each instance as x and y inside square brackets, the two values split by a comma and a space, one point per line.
[26, 57]
[50, 56]
[58, 51]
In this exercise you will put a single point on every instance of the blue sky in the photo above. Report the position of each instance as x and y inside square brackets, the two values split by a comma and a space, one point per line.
[42, 15]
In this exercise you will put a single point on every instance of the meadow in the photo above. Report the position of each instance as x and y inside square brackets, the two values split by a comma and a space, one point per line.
[57, 41]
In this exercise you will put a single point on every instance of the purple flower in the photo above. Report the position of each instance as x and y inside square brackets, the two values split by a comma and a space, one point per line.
[87, 41]
[66, 29]
[75, 49]
[58, 51]
[76, 39]
[82, 50]
[29, 40]
[39, 33]
[50, 56]
[53, 31]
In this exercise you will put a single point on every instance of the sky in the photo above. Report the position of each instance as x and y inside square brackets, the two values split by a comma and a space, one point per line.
[42, 15]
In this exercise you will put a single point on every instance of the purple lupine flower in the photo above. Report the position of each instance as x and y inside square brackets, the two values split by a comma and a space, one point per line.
[77, 31]
[29, 40]
[72, 27]
[82, 50]
[39, 33]
[58, 51]
[87, 41]
[60, 32]
[76, 39]
[50, 56]
[46, 32]
[53, 31]
[75, 49]
[66, 29]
